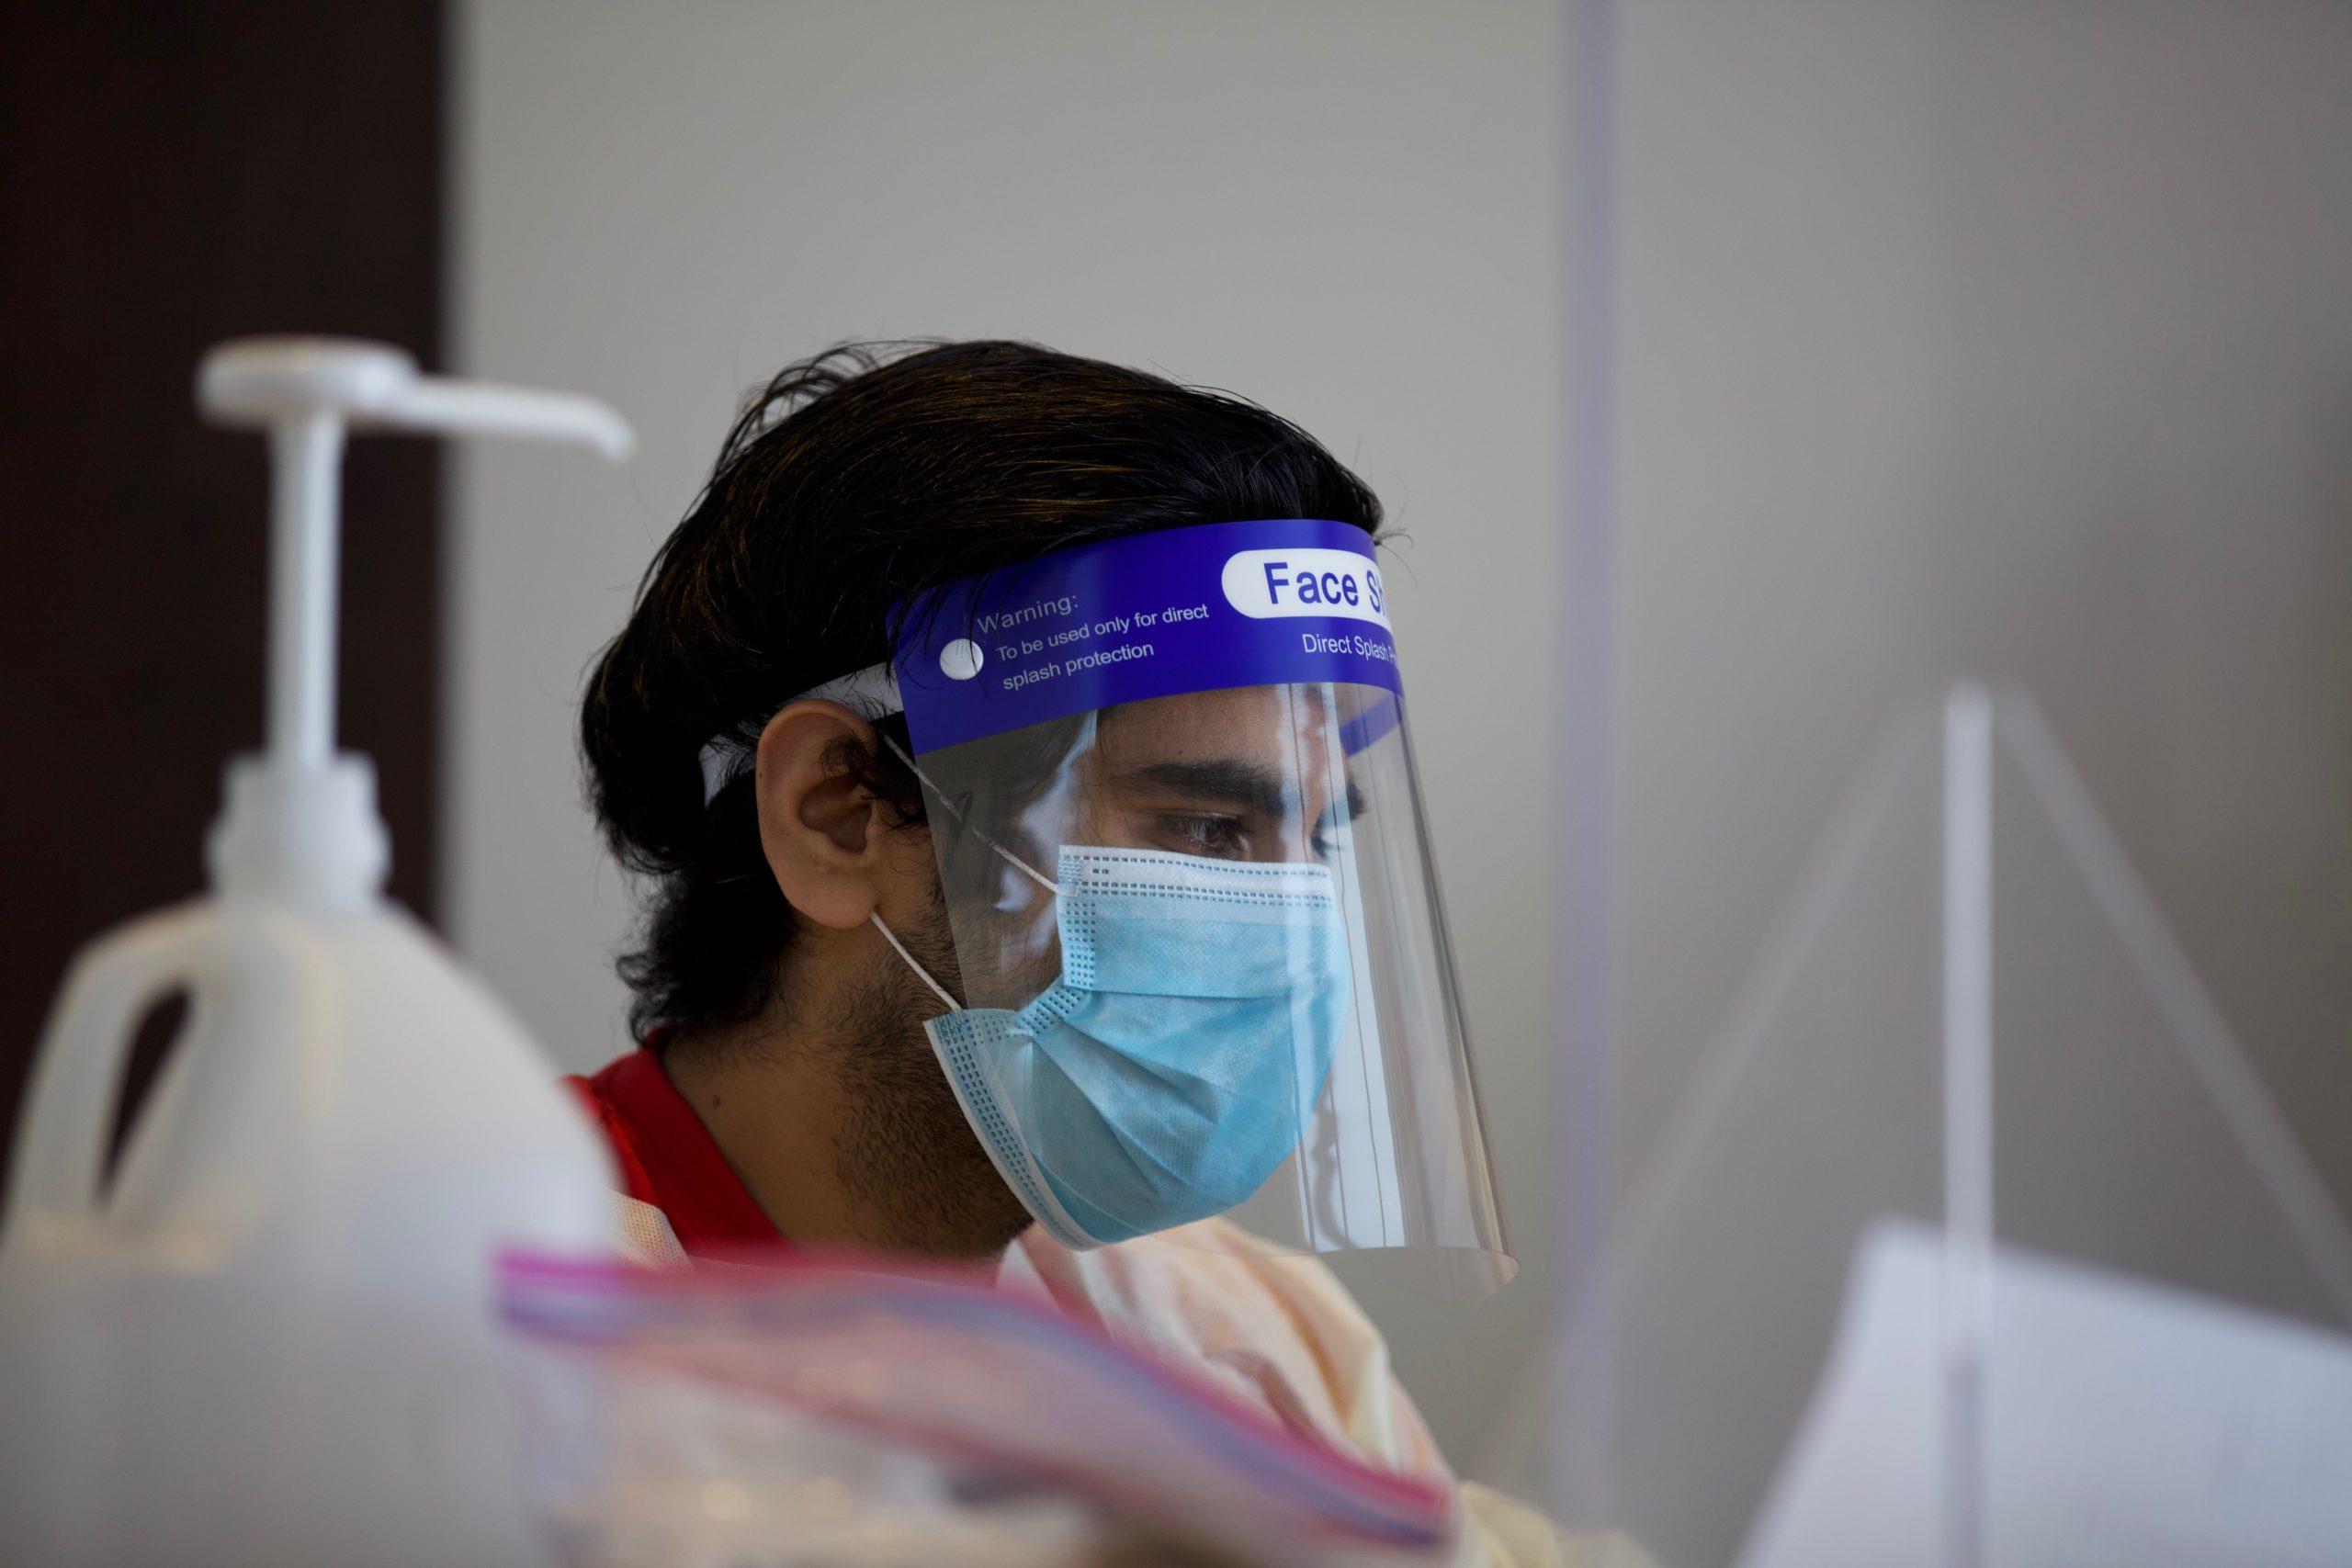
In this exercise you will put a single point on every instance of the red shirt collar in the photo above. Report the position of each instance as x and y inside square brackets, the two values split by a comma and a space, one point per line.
[668, 1158]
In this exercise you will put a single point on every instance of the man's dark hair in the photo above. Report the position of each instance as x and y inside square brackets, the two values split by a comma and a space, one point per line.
[850, 480]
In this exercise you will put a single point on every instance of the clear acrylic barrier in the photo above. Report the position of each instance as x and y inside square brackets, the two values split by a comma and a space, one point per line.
[1970, 1020]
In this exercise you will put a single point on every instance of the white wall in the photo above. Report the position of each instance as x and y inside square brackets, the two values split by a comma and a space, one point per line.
[2013, 340]
[1345, 211]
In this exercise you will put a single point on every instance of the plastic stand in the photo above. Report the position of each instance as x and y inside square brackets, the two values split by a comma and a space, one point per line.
[1969, 1021]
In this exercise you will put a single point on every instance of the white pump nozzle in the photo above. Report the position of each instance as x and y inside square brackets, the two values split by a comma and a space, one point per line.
[278, 380]
[305, 818]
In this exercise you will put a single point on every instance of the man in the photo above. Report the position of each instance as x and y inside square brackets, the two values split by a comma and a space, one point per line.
[1015, 746]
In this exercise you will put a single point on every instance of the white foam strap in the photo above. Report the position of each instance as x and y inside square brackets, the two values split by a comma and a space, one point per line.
[871, 693]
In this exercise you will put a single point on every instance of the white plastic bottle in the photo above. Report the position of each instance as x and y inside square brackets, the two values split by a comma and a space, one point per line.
[273, 1342]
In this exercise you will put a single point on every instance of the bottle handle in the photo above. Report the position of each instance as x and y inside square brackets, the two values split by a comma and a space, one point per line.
[78, 1071]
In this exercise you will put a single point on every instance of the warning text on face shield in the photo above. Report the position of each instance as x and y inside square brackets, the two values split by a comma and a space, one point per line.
[1085, 645]
[1021, 678]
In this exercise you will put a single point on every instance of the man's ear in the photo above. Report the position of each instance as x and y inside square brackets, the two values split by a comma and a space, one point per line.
[824, 834]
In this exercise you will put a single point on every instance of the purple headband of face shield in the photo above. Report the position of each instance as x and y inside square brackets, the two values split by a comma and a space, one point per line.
[1274, 601]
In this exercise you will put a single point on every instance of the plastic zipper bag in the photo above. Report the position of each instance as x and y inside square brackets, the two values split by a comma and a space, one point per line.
[676, 1407]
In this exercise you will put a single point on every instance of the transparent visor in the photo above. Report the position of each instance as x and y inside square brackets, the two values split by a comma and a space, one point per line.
[1205, 972]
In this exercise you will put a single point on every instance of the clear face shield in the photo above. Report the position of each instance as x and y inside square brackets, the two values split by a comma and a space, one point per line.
[1204, 965]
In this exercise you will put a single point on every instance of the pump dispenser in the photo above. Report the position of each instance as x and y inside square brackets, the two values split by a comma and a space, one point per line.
[270, 1339]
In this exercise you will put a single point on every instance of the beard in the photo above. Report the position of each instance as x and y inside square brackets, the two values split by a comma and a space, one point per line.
[905, 1146]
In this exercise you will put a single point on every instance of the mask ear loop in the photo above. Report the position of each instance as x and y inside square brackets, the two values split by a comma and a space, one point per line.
[920, 973]
[876, 916]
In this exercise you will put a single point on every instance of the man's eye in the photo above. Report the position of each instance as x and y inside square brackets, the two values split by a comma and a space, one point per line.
[1221, 838]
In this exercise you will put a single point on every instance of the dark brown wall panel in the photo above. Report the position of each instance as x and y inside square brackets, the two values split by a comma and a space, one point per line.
[171, 174]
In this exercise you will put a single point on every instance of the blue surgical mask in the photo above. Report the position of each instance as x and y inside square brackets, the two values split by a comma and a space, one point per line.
[1174, 1064]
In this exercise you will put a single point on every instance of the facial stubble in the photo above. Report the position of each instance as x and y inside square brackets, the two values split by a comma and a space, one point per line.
[904, 1145]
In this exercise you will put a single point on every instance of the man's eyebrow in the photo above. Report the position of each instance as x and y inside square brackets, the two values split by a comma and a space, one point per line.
[1248, 786]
